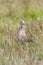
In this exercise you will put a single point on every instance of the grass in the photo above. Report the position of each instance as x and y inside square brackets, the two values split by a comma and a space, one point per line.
[12, 52]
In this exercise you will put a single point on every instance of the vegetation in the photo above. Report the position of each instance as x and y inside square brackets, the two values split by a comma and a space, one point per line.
[12, 52]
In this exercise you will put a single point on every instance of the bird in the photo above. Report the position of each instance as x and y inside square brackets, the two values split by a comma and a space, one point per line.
[22, 33]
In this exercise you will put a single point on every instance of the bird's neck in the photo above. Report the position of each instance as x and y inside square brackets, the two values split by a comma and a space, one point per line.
[23, 27]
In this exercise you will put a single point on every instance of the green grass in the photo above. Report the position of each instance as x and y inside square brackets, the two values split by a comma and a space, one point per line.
[13, 52]
[32, 14]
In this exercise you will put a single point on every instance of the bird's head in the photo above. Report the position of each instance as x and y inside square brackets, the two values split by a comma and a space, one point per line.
[22, 23]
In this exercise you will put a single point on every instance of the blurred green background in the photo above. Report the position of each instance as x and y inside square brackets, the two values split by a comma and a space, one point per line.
[11, 51]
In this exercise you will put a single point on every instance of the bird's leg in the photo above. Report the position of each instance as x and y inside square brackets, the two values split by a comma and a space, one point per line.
[22, 43]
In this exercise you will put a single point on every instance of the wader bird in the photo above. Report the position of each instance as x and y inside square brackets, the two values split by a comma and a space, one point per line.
[21, 34]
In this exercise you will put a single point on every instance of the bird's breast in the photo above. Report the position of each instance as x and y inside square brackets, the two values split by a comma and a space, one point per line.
[21, 35]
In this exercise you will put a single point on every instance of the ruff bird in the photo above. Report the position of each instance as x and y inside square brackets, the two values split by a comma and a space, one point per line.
[21, 34]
